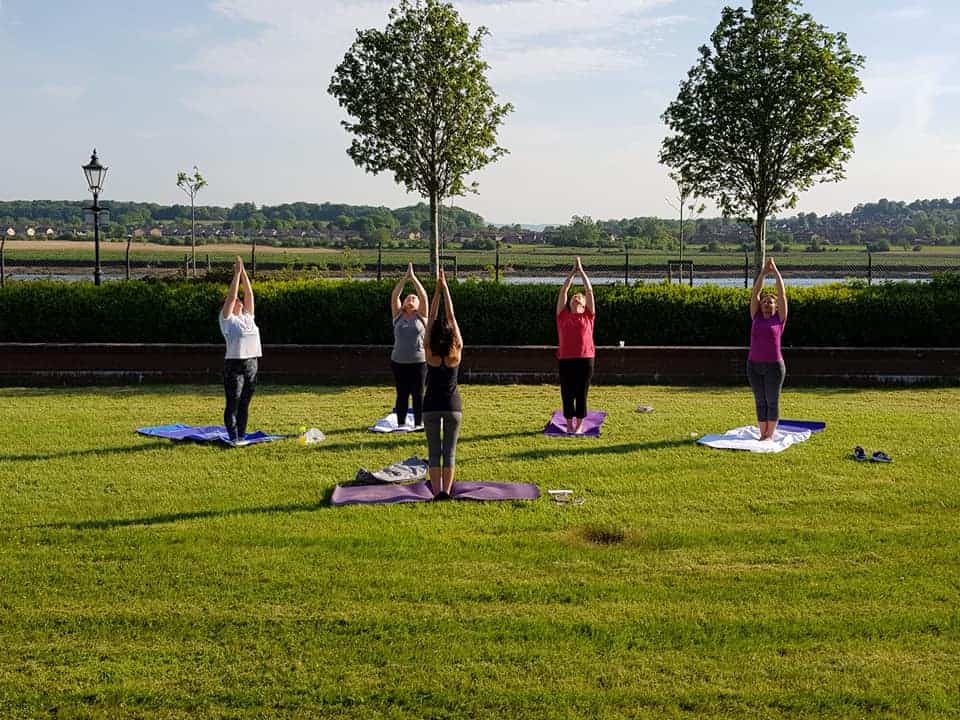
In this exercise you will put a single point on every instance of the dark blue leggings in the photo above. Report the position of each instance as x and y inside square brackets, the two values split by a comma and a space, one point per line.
[766, 380]
[239, 384]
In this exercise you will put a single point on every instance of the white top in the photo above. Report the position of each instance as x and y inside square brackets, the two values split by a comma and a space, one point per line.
[242, 336]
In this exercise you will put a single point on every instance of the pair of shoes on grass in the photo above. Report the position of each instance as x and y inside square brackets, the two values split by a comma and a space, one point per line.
[860, 455]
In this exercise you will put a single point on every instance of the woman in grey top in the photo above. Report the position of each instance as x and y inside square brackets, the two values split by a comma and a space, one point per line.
[408, 359]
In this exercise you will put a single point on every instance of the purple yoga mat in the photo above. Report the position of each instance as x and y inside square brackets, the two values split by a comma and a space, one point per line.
[557, 427]
[420, 492]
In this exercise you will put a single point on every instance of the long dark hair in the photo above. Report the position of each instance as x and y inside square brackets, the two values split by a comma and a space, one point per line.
[441, 337]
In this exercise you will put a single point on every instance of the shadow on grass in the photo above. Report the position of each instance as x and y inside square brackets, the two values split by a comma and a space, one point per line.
[585, 446]
[406, 439]
[122, 450]
[167, 518]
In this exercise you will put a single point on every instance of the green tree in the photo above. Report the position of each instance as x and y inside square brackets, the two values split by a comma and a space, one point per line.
[191, 185]
[422, 105]
[763, 114]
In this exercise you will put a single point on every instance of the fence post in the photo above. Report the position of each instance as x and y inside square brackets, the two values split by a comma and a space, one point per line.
[746, 270]
[626, 265]
[3, 264]
[669, 272]
[186, 263]
[379, 260]
[208, 262]
[496, 264]
[691, 273]
[455, 268]
[869, 268]
[129, 240]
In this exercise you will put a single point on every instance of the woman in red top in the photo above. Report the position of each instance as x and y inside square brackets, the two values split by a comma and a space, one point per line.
[575, 318]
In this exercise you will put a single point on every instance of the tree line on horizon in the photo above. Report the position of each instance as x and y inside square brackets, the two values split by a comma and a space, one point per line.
[881, 224]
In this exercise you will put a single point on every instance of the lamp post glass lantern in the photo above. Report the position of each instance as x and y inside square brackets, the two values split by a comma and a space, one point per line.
[96, 174]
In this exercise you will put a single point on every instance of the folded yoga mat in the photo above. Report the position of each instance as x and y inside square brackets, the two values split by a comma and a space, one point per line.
[557, 427]
[389, 424]
[748, 438]
[203, 433]
[813, 426]
[420, 492]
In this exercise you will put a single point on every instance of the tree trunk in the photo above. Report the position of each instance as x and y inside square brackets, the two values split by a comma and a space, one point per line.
[435, 232]
[760, 243]
[193, 238]
[253, 253]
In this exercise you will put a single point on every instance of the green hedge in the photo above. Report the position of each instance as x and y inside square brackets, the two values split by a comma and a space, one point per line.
[335, 312]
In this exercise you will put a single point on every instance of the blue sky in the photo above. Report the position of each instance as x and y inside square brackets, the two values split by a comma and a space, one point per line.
[238, 87]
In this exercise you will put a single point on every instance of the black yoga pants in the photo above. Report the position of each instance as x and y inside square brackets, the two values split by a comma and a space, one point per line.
[575, 374]
[409, 379]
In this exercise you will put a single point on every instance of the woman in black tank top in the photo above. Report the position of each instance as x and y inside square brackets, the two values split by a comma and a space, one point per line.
[442, 407]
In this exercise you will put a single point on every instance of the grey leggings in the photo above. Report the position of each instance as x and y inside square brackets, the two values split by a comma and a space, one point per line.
[447, 446]
[766, 380]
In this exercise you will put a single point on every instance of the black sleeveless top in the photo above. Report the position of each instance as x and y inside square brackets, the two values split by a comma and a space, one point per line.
[442, 393]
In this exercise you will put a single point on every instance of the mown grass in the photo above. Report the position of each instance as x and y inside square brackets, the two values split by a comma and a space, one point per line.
[146, 579]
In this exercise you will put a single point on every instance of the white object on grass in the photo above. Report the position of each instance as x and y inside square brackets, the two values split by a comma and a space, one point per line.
[311, 436]
[389, 424]
[748, 438]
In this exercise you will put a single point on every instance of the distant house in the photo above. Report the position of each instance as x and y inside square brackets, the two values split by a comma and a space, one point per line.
[50, 232]
[156, 232]
[31, 232]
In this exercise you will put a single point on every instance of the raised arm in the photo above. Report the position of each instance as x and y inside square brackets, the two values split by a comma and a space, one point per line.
[448, 307]
[234, 289]
[564, 291]
[396, 302]
[781, 292]
[248, 303]
[434, 310]
[421, 292]
[757, 289]
[588, 288]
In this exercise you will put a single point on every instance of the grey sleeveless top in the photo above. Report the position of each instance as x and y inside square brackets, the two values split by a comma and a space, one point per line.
[408, 340]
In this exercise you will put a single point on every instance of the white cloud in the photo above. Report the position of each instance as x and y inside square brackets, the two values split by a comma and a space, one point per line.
[62, 91]
[293, 41]
[907, 13]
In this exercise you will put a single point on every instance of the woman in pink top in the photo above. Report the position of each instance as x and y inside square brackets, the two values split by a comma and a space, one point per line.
[575, 352]
[765, 368]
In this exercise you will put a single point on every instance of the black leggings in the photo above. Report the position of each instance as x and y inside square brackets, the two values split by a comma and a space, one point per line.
[766, 381]
[575, 374]
[409, 379]
[239, 384]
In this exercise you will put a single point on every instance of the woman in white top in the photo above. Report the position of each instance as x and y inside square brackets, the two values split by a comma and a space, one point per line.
[243, 348]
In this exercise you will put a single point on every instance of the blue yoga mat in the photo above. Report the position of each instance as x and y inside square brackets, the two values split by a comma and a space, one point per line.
[813, 426]
[203, 433]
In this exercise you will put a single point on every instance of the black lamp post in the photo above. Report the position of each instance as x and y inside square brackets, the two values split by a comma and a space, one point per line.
[96, 174]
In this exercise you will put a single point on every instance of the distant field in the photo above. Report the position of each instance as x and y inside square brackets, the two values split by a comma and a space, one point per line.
[850, 259]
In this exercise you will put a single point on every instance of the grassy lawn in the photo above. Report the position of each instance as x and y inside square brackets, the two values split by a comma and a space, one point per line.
[144, 579]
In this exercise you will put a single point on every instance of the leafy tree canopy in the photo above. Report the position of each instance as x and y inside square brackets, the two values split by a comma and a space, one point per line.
[763, 114]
